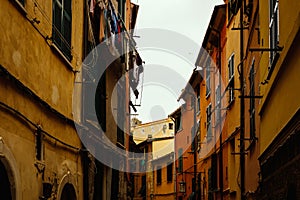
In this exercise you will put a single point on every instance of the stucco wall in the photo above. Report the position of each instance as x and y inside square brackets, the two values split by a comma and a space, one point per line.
[49, 78]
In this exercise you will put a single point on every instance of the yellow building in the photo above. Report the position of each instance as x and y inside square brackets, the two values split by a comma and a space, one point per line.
[153, 130]
[279, 107]
[163, 179]
[156, 169]
[44, 47]
[39, 59]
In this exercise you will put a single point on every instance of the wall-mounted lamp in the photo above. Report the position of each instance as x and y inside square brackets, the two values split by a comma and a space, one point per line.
[182, 186]
[198, 68]
[181, 101]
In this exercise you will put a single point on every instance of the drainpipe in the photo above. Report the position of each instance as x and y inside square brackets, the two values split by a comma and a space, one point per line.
[242, 106]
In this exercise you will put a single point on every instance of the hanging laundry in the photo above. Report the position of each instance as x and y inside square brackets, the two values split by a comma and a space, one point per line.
[92, 6]
[114, 25]
[96, 22]
[119, 30]
[103, 26]
[118, 41]
[107, 25]
[101, 4]
[135, 74]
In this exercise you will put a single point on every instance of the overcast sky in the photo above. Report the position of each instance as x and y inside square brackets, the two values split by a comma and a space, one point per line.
[169, 35]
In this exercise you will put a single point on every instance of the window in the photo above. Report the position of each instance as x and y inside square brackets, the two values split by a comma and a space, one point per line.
[180, 160]
[193, 138]
[120, 114]
[198, 136]
[252, 101]
[273, 28]
[178, 123]
[39, 155]
[62, 25]
[100, 98]
[193, 184]
[158, 175]
[210, 193]
[231, 79]
[207, 74]
[218, 103]
[170, 172]
[187, 139]
[171, 125]
[208, 122]
[233, 7]
[121, 8]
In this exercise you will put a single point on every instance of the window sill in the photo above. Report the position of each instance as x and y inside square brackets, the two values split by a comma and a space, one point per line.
[179, 131]
[19, 6]
[120, 145]
[272, 66]
[230, 103]
[209, 139]
[230, 19]
[207, 95]
[62, 56]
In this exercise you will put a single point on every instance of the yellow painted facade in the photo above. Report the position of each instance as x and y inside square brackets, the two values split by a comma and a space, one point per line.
[157, 129]
[156, 141]
[41, 153]
[39, 144]
[279, 106]
[165, 188]
[280, 99]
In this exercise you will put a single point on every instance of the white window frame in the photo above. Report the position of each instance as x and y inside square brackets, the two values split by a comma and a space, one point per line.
[231, 78]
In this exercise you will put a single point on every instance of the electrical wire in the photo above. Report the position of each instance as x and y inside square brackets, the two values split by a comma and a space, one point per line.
[90, 31]
[29, 92]
[37, 126]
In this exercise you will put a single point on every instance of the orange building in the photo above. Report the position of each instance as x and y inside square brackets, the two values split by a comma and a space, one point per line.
[163, 179]
[184, 145]
[244, 106]
[211, 115]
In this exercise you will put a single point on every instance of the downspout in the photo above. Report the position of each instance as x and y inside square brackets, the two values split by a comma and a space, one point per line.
[242, 106]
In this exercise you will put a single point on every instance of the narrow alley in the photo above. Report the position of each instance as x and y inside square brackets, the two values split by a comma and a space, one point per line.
[149, 100]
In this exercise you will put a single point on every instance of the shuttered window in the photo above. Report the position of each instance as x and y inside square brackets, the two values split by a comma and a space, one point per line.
[62, 26]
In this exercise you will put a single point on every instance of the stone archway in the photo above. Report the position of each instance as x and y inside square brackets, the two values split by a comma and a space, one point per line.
[67, 189]
[9, 172]
[5, 190]
[68, 192]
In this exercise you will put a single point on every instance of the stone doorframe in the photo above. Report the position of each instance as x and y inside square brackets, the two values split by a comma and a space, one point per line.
[10, 164]
[67, 178]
